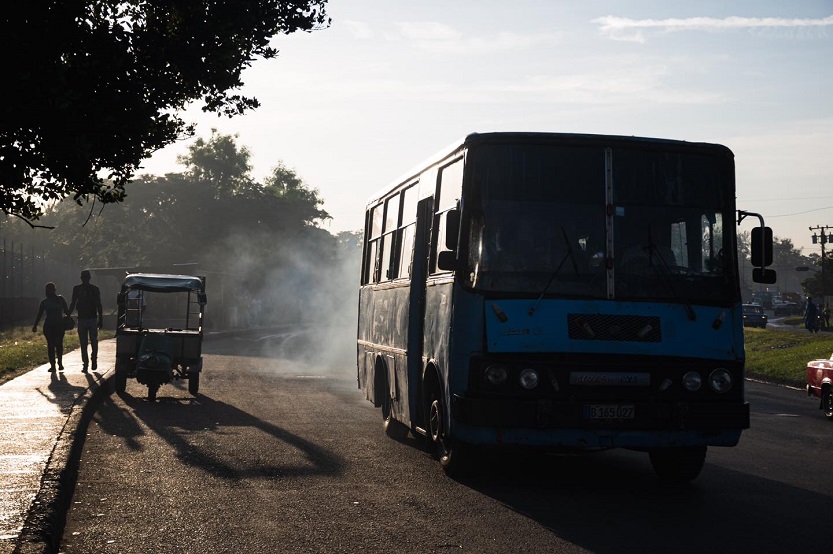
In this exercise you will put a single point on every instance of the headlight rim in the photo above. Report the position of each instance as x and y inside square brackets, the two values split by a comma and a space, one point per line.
[692, 381]
[533, 374]
[490, 369]
[729, 379]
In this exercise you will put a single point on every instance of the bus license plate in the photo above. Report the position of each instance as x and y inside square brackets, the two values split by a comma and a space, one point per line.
[609, 411]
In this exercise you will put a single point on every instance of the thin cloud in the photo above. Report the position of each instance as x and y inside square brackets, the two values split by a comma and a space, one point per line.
[635, 30]
[359, 29]
[440, 38]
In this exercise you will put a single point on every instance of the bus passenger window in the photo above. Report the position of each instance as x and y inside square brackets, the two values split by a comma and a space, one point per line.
[375, 231]
[405, 247]
[370, 263]
[406, 250]
[388, 266]
[451, 185]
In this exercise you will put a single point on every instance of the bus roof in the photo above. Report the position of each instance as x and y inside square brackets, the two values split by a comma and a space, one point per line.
[498, 137]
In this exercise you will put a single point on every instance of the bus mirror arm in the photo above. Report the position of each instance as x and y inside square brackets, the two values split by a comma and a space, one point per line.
[760, 249]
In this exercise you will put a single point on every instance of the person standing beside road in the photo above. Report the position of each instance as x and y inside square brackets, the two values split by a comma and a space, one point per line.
[811, 316]
[55, 307]
[86, 297]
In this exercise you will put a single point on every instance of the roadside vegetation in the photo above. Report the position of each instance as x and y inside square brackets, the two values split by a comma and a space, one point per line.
[776, 356]
[781, 356]
[22, 350]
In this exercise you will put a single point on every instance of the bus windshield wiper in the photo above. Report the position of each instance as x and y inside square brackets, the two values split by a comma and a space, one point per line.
[569, 255]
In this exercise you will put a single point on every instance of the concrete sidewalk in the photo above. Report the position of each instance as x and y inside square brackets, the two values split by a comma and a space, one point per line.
[40, 414]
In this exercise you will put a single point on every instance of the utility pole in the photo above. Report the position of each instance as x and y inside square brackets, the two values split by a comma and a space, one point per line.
[822, 238]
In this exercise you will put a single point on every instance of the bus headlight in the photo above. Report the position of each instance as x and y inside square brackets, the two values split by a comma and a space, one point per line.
[528, 379]
[692, 381]
[720, 380]
[495, 375]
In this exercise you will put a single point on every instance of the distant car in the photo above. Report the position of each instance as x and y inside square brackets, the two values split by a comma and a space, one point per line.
[754, 316]
[820, 384]
[787, 308]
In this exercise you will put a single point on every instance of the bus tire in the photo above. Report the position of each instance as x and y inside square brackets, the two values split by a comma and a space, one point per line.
[454, 456]
[393, 428]
[678, 465]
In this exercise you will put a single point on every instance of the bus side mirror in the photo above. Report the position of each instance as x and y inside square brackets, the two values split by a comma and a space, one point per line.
[447, 260]
[452, 229]
[763, 275]
[120, 298]
[761, 247]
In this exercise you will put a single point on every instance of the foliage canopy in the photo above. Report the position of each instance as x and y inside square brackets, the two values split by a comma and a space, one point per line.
[262, 239]
[94, 86]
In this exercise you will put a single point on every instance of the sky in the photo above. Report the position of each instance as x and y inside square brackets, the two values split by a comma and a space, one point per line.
[389, 83]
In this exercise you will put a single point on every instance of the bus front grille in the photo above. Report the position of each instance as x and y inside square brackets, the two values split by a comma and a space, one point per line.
[607, 327]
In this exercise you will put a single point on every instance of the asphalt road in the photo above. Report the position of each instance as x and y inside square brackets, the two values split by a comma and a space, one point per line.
[279, 453]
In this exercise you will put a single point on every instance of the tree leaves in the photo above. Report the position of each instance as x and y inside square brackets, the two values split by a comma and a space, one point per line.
[95, 86]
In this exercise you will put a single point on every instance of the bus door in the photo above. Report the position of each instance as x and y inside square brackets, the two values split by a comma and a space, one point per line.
[416, 308]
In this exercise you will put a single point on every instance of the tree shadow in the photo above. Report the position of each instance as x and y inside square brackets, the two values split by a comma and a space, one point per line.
[183, 423]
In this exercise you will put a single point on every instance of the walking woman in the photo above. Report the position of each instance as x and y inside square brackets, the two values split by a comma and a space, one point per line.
[54, 306]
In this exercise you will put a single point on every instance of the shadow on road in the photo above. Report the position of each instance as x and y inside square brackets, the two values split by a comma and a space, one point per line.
[187, 424]
[612, 502]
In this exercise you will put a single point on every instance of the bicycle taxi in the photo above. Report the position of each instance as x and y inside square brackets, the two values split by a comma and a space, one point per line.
[159, 330]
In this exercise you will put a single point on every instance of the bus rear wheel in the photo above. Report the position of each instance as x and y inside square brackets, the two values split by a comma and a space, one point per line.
[678, 465]
[393, 428]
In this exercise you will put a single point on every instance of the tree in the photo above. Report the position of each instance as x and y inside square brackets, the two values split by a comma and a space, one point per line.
[820, 283]
[94, 86]
[220, 163]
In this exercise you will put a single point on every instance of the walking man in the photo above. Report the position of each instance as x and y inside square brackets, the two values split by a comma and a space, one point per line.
[86, 298]
[811, 316]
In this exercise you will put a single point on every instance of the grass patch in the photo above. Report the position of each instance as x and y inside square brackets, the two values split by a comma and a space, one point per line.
[22, 350]
[781, 356]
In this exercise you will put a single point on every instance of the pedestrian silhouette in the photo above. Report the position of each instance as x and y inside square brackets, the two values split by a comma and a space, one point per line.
[811, 316]
[86, 297]
[55, 307]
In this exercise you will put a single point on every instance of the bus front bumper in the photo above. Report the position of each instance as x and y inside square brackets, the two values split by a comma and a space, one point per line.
[549, 423]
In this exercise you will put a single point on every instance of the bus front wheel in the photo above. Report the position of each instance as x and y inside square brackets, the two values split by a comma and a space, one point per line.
[454, 456]
[678, 465]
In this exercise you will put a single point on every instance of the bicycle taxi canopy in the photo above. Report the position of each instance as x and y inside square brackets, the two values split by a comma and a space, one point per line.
[157, 282]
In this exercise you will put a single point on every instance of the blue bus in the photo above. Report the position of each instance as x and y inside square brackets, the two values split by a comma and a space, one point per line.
[562, 292]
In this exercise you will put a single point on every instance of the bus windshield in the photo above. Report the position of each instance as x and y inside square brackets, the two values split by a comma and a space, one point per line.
[567, 220]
